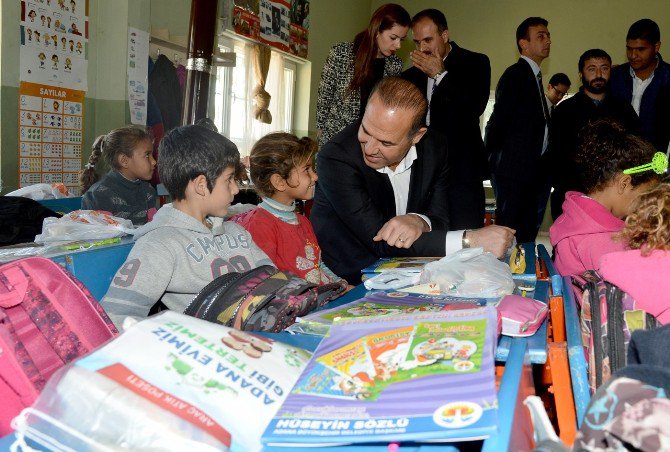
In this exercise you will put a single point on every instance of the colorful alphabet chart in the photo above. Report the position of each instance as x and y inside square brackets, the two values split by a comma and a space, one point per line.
[51, 121]
[54, 42]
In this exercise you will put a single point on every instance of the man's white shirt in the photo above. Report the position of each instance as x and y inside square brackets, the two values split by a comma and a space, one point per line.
[400, 178]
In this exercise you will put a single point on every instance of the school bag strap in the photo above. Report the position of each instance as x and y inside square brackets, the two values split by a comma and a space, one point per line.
[261, 299]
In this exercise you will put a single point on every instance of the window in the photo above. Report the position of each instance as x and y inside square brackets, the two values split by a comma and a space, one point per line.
[233, 103]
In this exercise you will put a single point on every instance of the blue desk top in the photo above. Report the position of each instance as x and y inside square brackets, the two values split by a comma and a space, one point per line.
[537, 343]
[95, 267]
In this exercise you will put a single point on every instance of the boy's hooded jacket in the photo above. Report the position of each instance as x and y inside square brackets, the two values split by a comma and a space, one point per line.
[173, 258]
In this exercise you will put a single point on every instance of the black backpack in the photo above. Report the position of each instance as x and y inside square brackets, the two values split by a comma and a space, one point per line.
[21, 219]
[262, 299]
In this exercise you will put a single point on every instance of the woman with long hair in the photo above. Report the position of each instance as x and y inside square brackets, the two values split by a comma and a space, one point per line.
[353, 68]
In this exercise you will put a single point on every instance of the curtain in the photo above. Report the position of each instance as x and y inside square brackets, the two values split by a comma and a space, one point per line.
[262, 98]
[238, 96]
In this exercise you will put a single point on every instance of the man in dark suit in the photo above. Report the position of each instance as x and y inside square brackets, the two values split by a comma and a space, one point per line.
[383, 188]
[456, 83]
[591, 103]
[517, 135]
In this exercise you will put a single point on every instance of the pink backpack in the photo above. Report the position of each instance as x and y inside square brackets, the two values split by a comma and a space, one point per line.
[47, 319]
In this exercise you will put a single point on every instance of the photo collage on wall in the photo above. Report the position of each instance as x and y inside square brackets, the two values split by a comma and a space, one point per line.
[283, 24]
[50, 135]
[54, 37]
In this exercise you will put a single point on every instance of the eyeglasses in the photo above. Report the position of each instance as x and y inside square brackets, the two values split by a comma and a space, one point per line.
[658, 164]
[560, 94]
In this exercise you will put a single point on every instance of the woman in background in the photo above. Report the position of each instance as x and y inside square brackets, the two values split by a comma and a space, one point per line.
[353, 68]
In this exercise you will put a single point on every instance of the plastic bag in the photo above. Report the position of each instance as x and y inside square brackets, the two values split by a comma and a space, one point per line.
[42, 191]
[392, 279]
[83, 225]
[170, 382]
[470, 272]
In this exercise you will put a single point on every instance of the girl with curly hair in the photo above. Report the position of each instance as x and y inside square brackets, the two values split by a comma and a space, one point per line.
[643, 270]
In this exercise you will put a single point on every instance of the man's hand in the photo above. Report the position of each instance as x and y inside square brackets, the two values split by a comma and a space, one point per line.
[428, 63]
[494, 239]
[402, 231]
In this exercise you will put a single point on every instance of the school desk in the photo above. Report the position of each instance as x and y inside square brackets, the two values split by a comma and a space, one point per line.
[515, 385]
[96, 266]
[62, 205]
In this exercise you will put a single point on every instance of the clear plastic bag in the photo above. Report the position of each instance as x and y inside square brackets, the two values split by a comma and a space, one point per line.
[84, 410]
[83, 225]
[42, 191]
[470, 272]
[169, 382]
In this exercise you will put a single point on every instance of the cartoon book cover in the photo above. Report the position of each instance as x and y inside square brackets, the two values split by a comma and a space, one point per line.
[446, 347]
[352, 360]
[382, 304]
[323, 381]
[399, 263]
[404, 401]
[387, 351]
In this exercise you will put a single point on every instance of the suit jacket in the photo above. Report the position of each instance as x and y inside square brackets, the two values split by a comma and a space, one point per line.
[336, 107]
[568, 120]
[456, 105]
[353, 201]
[515, 131]
[654, 108]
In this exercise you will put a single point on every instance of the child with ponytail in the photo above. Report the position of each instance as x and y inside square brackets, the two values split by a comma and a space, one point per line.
[282, 172]
[123, 191]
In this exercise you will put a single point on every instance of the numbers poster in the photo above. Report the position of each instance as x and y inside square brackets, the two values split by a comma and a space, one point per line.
[50, 135]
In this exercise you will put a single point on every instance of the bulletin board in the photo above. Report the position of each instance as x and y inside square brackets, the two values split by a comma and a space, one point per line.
[51, 125]
[283, 24]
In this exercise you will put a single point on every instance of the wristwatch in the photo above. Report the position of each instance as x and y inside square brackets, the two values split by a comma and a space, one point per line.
[465, 242]
[440, 72]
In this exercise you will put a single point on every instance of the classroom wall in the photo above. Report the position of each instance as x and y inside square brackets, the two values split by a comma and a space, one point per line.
[171, 14]
[482, 25]
[105, 106]
[575, 25]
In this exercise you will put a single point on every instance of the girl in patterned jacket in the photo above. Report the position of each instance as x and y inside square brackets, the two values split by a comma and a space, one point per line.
[124, 190]
[352, 69]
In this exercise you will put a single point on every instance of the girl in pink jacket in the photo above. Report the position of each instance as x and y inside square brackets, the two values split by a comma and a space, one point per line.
[583, 233]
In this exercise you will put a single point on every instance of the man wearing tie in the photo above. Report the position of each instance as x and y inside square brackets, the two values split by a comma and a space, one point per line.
[517, 135]
[456, 83]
